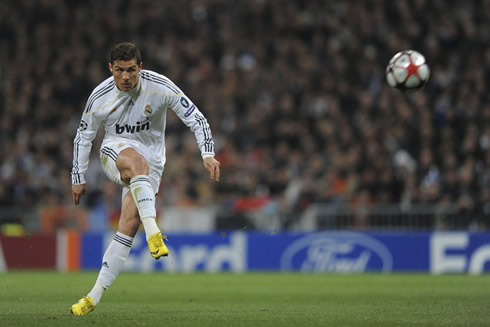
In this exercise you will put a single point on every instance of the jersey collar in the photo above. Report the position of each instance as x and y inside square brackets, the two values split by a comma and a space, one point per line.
[134, 92]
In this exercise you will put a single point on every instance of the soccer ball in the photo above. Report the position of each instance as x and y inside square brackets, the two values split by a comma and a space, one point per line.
[407, 71]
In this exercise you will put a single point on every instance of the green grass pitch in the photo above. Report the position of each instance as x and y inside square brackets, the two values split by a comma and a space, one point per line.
[252, 299]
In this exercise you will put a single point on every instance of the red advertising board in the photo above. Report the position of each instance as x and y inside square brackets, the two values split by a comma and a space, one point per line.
[29, 252]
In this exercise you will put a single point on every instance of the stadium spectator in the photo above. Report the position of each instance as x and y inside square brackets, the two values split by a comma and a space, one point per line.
[296, 91]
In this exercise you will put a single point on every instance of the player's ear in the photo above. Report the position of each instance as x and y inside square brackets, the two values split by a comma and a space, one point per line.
[140, 65]
[110, 67]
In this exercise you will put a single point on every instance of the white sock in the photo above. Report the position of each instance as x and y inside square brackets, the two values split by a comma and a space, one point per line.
[150, 226]
[96, 293]
[144, 197]
[112, 262]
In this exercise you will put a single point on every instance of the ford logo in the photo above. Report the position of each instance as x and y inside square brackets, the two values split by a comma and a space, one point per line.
[339, 252]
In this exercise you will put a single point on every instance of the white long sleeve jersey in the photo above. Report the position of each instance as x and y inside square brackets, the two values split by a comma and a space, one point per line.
[137, 115]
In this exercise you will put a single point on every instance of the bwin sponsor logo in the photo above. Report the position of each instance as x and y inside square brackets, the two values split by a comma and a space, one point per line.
[140, 126]
[145, 200]
[341, 252]
[189, 111]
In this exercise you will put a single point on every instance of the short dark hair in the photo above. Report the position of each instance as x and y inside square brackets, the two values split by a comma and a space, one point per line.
[125, 51]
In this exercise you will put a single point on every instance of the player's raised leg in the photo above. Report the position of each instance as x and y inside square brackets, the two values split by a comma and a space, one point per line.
[134, 171]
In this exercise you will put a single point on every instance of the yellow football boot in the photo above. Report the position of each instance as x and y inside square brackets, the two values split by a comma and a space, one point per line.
[156, 246]
[83, 307]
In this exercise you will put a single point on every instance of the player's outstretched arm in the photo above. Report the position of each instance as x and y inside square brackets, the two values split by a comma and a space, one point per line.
[77, 191]
[212, 165]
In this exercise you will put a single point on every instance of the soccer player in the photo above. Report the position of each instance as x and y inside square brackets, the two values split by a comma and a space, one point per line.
[132, 106]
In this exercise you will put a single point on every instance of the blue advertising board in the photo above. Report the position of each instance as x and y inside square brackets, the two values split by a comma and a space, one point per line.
[330, 252]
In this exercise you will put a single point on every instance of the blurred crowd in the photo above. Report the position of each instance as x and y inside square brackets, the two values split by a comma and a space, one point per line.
[294, 91]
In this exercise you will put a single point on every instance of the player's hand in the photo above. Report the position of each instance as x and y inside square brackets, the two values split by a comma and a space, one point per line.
[77, 191]
[212, 165]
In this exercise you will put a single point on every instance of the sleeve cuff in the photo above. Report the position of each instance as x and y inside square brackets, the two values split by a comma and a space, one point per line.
[207, 155]
[78, 179]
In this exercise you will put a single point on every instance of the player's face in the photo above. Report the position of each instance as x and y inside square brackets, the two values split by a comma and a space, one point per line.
[126, 73]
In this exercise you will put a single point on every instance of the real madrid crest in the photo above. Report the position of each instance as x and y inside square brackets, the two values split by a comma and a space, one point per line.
[148, 110]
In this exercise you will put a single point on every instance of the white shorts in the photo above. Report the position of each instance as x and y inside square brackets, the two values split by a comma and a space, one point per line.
[109, 151]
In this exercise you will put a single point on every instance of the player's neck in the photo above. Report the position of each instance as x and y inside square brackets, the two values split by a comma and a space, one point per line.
[134, 92]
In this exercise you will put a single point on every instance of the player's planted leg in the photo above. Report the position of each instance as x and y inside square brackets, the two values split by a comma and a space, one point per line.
[112, 262]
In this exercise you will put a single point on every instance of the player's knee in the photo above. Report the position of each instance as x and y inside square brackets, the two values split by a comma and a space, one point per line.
[139, 166]
[133, 166]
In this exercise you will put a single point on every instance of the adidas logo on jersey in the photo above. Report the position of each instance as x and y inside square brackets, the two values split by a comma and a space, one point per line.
[140, 126]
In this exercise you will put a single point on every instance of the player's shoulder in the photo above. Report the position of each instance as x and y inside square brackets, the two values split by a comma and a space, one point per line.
[100, 92]
[158, 82]
[150, 74]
